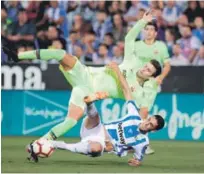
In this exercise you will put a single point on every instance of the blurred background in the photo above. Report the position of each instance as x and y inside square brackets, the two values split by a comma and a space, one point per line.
[94, 31]
[35, 94]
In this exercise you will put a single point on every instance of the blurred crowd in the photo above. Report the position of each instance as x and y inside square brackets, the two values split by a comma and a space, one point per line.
[94, 31]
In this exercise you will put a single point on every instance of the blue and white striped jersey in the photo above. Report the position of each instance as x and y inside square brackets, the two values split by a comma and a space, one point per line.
[125, 133]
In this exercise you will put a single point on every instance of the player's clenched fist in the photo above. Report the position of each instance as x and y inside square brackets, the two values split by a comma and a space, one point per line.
[134, 162]
[148, 16]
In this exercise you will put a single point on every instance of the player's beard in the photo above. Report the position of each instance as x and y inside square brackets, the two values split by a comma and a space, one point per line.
[140, 78]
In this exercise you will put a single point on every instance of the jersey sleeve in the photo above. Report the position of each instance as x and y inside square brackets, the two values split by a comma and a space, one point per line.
[165, 53]
[131, 36]
[150, 90]
[132, 108]
[140, 148]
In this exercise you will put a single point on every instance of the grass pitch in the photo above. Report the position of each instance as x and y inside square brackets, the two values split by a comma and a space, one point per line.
[170, 156]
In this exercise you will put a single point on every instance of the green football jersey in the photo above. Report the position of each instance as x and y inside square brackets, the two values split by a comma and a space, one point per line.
[145, 53]
[105, 79]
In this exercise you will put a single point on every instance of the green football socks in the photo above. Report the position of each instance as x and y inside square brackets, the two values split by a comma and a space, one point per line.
[44, 54]
[60, 129]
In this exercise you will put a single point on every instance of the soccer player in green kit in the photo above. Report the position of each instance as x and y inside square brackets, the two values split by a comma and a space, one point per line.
[87, 80]
[146, 50]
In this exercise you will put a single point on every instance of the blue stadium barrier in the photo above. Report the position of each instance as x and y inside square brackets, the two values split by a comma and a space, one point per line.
[33, 113]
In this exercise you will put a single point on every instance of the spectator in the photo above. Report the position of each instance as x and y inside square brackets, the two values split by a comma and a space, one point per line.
[91, 45]
[56, 44]
[109, 41]
[12, 10]
[200, 57]
[119, 27]
[117, 54]
[171, 13]
[72, 42]
[90, 12]
[4, 57]
[131, 15]
[102, 56]
[32, 10]
[102, 5]
[4, 22]
[199, 30]
[178, 59]
[201, 3]
[156, 5]
[79, 53]
[160, 25]
[170, 40]
[189, 44]
[103, 25]
[41, 19]
[182, 20]
[46, 38]
[193, 11]
[21, 48]
[78, 24]
[72, 10]
[114, 8]
[123, 6]
[182, 5]
[22, 30]
[56, 14]
[121, 45]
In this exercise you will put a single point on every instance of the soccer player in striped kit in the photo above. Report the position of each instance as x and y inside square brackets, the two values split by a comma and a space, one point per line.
[128, 133]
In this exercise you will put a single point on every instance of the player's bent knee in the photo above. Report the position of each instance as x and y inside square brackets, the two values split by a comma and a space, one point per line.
[96, 149]
[68, 62]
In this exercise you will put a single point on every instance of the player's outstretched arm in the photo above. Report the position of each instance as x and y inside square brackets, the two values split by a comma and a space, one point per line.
[126, 90]
[134, 162]
[134, 32]
[138, 154]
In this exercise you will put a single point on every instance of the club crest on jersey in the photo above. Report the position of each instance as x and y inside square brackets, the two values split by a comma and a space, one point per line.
[120, 132]
[139, 137]
[156, 51]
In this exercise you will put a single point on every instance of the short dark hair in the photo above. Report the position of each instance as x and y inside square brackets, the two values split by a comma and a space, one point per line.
[103, 44]
[160, 122]
[110, 35]
[92, 32]
[154, 24]
[157, 66]
[101, 11]
[21, 10]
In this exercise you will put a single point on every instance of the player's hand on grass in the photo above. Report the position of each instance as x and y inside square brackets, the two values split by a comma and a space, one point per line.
[113, 66]
[148, 16]
[134, 162]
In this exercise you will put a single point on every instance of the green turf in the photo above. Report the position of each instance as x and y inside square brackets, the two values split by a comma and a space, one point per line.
[170, 156]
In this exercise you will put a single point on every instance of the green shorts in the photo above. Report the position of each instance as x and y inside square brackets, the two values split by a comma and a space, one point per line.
[81, 80]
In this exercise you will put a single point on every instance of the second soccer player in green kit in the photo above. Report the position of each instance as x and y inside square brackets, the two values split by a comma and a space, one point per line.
[142, 52]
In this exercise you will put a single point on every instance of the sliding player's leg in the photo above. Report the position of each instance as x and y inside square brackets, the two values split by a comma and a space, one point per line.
[90, 148]
[75, 112]
[92, 136]
[81, 81]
